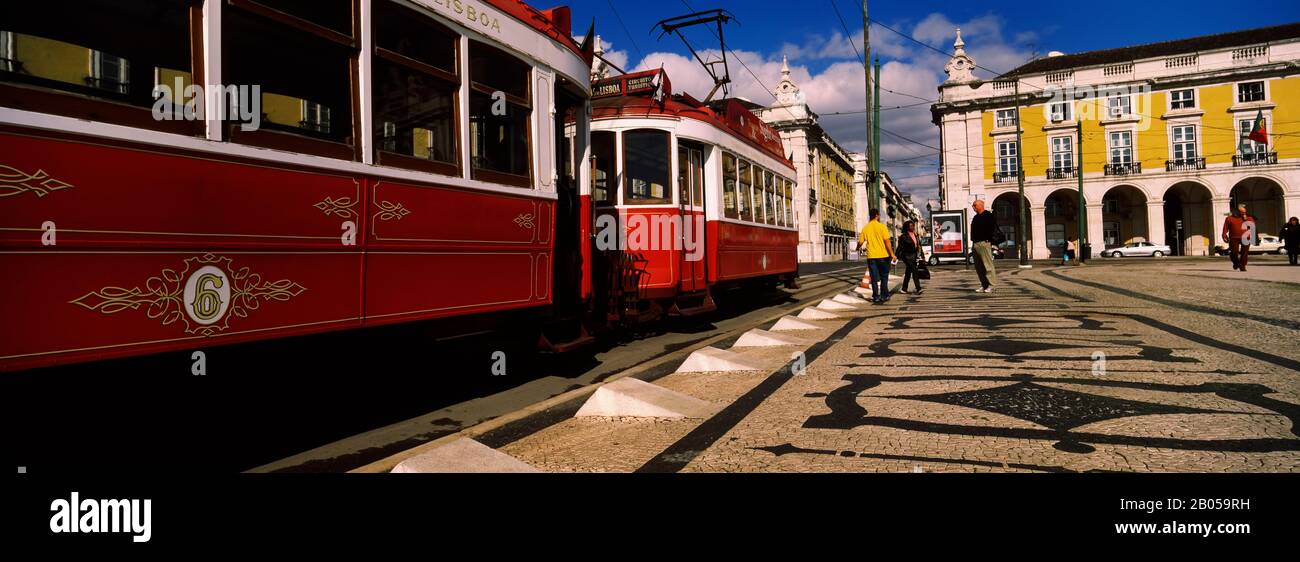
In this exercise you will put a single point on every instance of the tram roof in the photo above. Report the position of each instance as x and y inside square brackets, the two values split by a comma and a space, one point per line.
[556, 23]
[638, 95]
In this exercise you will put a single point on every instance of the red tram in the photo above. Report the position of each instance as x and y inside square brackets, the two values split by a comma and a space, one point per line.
[366, 162]
[253, 169]
[724, 218]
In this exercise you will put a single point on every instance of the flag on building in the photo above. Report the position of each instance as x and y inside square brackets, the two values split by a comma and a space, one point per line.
[1259, 133]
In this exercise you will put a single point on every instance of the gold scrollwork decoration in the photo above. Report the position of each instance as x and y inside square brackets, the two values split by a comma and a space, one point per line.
[341, 207]
[163, 296]
[17, 182]
[524, 220]
[391, 211]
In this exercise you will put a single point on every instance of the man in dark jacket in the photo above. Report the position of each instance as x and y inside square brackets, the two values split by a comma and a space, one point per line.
[982, 228]
[1291, 239]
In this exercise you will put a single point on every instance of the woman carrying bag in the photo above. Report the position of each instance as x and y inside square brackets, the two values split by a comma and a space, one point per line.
[909, 252]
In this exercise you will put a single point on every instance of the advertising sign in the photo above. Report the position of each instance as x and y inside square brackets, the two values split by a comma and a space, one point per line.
[948, 231]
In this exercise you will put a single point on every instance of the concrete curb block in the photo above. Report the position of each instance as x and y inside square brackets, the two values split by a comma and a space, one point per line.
[463, 456]
[629, 397]
[764, 338]
[813, 313]
[712, 359]
[787, 323]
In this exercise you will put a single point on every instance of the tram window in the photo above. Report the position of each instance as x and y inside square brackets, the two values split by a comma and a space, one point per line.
[698, 156]
[746, 186]
[603, 174]
[334, 15]
[499, 144]
[415, 91]
[690, 175]
[789, 203]
[646, 167]
[780, 203]
[304, 72]
[758, 193]
[729, 186]
[113, 53]
[769, 199]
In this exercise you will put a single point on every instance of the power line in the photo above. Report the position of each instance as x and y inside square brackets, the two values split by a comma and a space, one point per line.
[639, 54]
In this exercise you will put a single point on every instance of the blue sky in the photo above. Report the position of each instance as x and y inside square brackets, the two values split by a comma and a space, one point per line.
[998, 34]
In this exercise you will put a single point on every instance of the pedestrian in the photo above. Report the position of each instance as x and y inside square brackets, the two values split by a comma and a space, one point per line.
[1291, 239]
[880, 253]
[982, 229]
[1234, 227]
[910, 253]
[1071, 251]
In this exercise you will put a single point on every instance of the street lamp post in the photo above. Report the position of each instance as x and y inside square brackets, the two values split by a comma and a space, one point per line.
[1020, 178]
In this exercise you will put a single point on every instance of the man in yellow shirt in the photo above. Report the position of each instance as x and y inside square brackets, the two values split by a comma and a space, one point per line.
[879, 248]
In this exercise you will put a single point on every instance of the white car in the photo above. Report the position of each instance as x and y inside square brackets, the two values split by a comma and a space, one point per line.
[1137, 249]
[1268, 244]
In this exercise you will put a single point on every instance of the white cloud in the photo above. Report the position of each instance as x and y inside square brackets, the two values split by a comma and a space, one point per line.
[910, 70]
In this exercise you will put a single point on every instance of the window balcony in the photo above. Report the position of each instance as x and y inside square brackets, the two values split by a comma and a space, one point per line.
[1002, 177]
[1122, 169]
[1060, 173]
[1184, 164]
[1254, 159]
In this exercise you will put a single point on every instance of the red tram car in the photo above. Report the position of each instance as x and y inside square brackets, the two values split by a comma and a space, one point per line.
[395, 162]
[253, 169]
[725, 217]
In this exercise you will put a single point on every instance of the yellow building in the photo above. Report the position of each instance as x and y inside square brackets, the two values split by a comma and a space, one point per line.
[1162, 125]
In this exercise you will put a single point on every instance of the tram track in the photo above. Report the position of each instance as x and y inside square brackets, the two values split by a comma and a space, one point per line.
[538, 403]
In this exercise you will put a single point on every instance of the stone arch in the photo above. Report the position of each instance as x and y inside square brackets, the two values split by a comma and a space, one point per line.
[1190, 202]
[1008, 217]
[1060, 219]
[1265, 200]
[1124, 215]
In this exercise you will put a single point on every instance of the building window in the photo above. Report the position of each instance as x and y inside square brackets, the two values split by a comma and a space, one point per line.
[1184, 138]
[499, 144]
[1121, 148]
[603, 173]
[1182, 99]
[1110, 233]
[1008, 158]
[109, 72]
[1249, 147]
[416, 86]
[729, 202]
[8, 52]
[1119, 105]
[1062, 153]
[646, 167]
[1006, 117]
[1110, 205]
[1059, 111]
[1053, 209]
[1002, 209]
[1250, 91]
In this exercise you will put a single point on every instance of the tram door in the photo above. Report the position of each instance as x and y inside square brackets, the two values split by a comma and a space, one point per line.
[567, 272]
[690, 182]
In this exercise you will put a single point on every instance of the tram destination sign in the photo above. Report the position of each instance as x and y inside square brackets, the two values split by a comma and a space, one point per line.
[635, 83]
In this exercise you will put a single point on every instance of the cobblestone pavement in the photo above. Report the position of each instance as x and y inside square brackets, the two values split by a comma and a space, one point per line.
[1133, 366]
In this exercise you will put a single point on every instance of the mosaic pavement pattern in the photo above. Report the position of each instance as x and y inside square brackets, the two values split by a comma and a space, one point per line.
[1043, 375]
